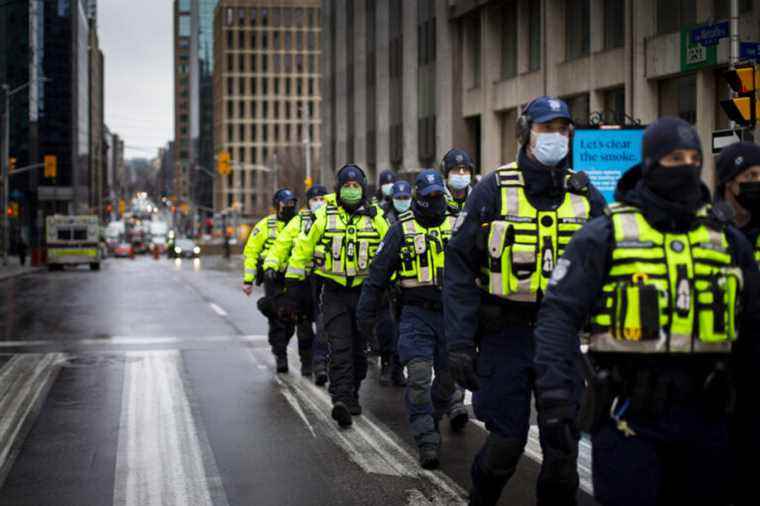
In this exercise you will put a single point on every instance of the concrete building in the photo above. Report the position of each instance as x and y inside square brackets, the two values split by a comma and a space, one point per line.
[98, 149]
[404, 81]
[267, 99]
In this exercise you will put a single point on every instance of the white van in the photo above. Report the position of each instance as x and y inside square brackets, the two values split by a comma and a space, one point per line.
[73, 240]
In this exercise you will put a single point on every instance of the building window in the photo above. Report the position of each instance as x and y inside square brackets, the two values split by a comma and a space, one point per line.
[253, 40]
[253, 86]
[230, 63]
[230, 109]
[184, 26]
[276, 16]
[276, 85]
[241, 89]
[229, 39]
[230, 85]
[253, 16]
[287, 86]
[678, 97]
[276, 110]
[673, 14]
[473, 48]
[241, 106]
[509, 40]
[253, 63]
[579, 108]
[426, 98]
[311, 41]
[242, 132]
[614, 23]
[253, 109]
[299, 41]
[184, 5]
[241, 59]
[534, 31]
[264, 63]
[577, 29]
[614, 106]
[265, 109]
[264, 18]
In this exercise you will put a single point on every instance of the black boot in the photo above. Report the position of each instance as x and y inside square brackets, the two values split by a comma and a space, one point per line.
[354, 407]
[429, 457]
[341, 414]
[385, 371]
[306, 364]
[320, 374]
[282, 363]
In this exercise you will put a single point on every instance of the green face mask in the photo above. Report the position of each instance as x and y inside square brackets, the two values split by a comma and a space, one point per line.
[350, 195]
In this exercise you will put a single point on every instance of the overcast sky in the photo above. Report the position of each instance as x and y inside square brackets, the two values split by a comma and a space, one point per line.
[136, 39]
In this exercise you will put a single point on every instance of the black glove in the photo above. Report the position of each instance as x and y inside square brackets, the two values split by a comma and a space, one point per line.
[462, 367]
[556, 420]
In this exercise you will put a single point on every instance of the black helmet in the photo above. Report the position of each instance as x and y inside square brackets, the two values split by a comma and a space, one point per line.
[283, 195]
[316, 191]
[456, 158]
[387, 176]
[350, 172]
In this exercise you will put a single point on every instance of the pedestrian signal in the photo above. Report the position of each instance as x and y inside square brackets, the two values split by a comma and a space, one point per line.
[744, 108]
[51, 166]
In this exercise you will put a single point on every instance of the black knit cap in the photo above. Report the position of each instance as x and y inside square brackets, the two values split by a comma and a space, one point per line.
[665, 136]
[350, 172]
[735, 159]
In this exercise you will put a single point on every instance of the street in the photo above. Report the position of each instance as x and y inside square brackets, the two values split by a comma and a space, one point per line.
[151, 382]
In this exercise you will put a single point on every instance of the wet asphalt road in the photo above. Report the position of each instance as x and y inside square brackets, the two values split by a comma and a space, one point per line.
[151, 382]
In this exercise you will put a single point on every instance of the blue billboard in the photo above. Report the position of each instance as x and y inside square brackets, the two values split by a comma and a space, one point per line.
[605, 154]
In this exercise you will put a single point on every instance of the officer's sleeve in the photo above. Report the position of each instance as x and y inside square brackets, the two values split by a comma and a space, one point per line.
[303, 247]
[279, 252]
[461, 296]
[385, 263]
[381, 224]
[574, 288]
[596, 201]
[252, 250]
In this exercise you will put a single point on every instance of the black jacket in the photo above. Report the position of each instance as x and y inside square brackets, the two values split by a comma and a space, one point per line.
[570, 301]
[461, 296]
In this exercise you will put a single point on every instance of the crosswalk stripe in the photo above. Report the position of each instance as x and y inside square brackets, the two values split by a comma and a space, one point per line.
[163, 456]
[23, 381]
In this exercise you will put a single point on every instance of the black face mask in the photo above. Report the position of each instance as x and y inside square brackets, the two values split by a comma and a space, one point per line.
[749, 196]
[680, 184]
[287, 213]
[431, 209]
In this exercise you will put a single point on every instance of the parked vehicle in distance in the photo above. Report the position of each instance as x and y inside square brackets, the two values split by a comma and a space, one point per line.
[185, 248]
[123, 250]
[73, 240]
[114, 234]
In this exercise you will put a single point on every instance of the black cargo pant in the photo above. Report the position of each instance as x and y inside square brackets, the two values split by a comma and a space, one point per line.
[280, 333]
[347, 346]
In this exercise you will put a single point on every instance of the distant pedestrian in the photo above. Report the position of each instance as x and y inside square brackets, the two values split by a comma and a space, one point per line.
[21, 250]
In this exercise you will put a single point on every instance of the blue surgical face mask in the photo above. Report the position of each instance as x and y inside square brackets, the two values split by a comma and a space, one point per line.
[550, 148]
[459, 181]
[387, 189]
[402, 205]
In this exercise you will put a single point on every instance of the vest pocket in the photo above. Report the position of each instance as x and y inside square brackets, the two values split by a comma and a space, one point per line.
[716, 306]
[635, 312]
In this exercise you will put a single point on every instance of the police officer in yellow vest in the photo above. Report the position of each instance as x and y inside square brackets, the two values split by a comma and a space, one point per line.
[341, 243]
[670, 287]
[459, 170]
[413, 252]
[256, 248]
[738, 170]
[515, 225]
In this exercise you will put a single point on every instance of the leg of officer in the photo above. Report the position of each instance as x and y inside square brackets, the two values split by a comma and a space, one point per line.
[416, 346]
[359, 352]
[505, 370]
[384, 330]
[319, 348]
[279, 333]
[444, 390]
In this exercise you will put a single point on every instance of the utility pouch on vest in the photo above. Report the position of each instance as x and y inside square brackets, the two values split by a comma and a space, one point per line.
[597, 396]
[636, 312]
[716, 312]
[523, 260]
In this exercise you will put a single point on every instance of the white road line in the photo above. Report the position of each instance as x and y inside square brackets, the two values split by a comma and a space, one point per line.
[371, 445]
[218, 310]
[23, 379]
[162, 457]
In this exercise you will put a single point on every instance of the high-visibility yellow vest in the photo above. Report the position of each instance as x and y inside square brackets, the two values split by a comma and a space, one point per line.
[525, 243]
[348, 244]
[757, 250]
[422, 251]
[667, 293]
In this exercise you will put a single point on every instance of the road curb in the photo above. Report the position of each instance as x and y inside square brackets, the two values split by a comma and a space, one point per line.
[5, 275]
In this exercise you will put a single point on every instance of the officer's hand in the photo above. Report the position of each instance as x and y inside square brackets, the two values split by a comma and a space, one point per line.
[556, 421]
[462, 367]
[247, 289]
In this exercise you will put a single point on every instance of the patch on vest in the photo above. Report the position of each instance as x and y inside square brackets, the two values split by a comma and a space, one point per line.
[635, 244]
[459, 221]
[677, 246]
[560, 271]
[683, 299]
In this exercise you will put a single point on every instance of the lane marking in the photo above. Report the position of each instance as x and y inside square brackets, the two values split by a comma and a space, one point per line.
[368, 443]
[23, 380]
[218, 310]
[163, 455]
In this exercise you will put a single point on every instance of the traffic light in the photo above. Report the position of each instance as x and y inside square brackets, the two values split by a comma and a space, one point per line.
[12, 210]
[51, 166]
[744, 108]
[223, 165]
[309, 182]
[11, 164]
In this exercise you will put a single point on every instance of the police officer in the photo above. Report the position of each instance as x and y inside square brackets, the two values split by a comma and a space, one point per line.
[663, 280]
[385, 189]
[256, 248]
[459, 171]
[275, 265]
[516, 223]
[413, 250]
[342, 242]
[738, 170]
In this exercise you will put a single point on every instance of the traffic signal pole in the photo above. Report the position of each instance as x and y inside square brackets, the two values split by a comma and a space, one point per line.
[6, 173]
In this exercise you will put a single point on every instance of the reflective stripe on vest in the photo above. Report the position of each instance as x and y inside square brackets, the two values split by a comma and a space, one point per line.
[757, 251]
[422, 252]
[667, 292]
[346, 250]
[307, 220]
[272, 229]
[525, 243]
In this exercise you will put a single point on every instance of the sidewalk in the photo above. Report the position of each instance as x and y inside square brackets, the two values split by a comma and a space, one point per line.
[14, 269]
